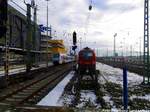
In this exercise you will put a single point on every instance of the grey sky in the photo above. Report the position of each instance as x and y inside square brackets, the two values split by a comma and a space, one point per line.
[124, 17]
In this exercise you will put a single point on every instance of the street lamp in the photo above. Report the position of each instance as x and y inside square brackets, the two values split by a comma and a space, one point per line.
[115, 44]
[47, 33]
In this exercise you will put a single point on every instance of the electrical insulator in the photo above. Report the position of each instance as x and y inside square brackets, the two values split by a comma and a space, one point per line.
[74, 38]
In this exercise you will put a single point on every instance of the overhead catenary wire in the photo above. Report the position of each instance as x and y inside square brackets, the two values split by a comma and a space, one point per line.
[18, 5]
[22, 9]
[87, 22]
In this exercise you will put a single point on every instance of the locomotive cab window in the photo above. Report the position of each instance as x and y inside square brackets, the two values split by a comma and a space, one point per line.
[56, 55]
[87, 55]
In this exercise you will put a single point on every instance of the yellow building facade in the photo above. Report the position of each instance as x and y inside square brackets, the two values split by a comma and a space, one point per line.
[57, 46]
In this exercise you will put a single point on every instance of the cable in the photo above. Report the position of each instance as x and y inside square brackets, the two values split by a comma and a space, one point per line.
[88, 20]
[18, 5]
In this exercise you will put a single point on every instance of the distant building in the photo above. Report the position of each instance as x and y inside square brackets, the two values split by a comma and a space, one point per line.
[43, 43]
[57, 46]
[54, 46]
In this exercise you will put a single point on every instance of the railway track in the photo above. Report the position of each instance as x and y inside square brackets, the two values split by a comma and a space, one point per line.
[32, 92]
[23, 76]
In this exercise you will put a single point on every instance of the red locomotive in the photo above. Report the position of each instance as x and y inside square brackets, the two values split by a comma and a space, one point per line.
[87, 64]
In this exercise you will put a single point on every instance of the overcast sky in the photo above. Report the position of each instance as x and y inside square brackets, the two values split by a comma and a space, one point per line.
[97, 27]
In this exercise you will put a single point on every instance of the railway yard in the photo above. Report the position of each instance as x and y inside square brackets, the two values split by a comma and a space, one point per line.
[72, 65]
[55, 88]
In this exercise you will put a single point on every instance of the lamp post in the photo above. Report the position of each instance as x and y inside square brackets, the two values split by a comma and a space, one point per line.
[115, 44]
[47, 35]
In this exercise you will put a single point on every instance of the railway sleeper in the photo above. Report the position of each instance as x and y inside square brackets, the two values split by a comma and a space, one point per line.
[31, 89]
[4, 104]
[28, 90]
[23, 93]
[33, 100]
[18, 96]
[12, 100]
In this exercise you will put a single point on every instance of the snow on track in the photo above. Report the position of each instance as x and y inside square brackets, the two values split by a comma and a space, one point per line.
[52, 98]
[146, 97]
[87, 98]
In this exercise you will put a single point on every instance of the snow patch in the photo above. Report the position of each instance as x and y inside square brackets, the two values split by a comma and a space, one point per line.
[146, 97]
[107, 99]
[51, 99]
[66, 99]
[87, 96]
[115, 75]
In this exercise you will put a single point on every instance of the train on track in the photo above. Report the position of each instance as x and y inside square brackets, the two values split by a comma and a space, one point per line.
[87, 65]
[60, 58]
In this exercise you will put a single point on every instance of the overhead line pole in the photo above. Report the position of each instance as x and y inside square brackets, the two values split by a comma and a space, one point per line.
[29, 38]
[146, 44]
[47, 36]
[4, 33]
[34, 34]
[115, 44]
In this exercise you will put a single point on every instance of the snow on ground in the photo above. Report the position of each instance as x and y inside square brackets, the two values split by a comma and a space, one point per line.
[115, 75]
[107, 99]
[66, 99]
[146, 97]
[87, 98]
[52, 98]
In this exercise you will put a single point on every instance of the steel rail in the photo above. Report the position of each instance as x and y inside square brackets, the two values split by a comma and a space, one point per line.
[42, 87]
[28, 85]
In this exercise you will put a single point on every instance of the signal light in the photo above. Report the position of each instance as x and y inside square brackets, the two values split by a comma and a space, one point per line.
[90, 7]
[74, 38]
[74, 48]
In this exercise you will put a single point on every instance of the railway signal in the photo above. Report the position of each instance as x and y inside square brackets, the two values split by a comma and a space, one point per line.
[90, 6]
[74, 48]
[74, 38]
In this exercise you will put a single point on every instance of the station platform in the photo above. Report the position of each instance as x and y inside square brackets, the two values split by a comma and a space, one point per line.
[23, 69]
[19, 72]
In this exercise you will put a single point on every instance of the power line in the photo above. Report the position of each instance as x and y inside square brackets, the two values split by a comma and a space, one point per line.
[18, 5]
[21, 8]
